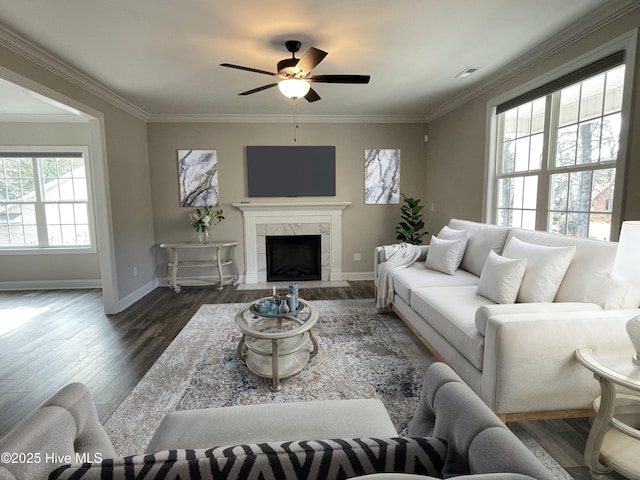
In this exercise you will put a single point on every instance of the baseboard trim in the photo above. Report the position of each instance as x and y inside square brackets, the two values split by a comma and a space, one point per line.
[136, 295]
[51, 284]
[357, 276]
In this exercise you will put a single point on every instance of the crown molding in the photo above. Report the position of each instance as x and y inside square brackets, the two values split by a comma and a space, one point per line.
[23, 47]
[224, 118]
[35, 54]
[589, 24]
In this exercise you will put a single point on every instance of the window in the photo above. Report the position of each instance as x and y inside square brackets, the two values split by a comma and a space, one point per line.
[44, 200]
[557, 152]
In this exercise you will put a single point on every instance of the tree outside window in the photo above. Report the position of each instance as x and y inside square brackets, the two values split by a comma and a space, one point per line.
[557, 157]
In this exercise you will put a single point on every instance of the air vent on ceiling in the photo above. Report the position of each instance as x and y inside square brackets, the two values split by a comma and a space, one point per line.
[467, 72]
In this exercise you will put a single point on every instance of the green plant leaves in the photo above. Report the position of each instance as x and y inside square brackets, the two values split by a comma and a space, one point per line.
[408, 230]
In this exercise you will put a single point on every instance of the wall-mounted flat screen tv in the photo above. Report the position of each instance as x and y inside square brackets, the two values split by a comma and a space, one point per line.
[291, 171]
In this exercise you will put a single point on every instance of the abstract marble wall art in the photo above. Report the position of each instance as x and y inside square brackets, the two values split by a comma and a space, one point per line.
[382, 176]
[198, 178]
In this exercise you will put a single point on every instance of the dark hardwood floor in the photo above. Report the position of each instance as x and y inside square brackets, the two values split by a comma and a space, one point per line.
[50, 338]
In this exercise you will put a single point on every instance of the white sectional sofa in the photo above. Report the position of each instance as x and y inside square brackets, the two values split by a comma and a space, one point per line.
[519, 357]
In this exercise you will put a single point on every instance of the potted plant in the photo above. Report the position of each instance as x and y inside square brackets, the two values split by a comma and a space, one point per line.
[203, 219]
[408, 230]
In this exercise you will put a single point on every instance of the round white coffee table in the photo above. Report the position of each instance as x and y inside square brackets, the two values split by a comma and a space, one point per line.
[277, 346]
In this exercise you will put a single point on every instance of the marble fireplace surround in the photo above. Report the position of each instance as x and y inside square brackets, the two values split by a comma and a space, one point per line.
[292, 218]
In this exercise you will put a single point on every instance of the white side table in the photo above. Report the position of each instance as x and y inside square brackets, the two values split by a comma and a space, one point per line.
[614, 439]
[223, 256]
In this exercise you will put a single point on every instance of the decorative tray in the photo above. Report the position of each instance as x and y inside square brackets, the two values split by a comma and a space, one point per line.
[255, 311]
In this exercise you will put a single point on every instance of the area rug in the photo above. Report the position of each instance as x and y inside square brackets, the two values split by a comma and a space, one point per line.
[362, 354]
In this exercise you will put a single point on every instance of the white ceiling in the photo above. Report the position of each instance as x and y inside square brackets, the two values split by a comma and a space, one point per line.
[17, 104]
[163, 56]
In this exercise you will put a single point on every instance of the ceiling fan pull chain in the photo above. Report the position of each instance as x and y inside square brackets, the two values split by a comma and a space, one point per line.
[295, 120]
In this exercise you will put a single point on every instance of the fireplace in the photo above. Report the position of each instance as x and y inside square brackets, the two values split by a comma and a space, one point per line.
[262, 219]
[293, 257]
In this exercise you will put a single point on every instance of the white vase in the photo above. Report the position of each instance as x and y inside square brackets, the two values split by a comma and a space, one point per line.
[284, 308]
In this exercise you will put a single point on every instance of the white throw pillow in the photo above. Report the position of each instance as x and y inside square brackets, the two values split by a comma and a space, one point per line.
[444, 255]
[546, 267]
[450, 234]
[617, 295]
[501, 278]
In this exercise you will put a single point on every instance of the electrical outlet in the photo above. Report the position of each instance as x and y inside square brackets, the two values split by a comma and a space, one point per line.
[135, 271]
[357, 257]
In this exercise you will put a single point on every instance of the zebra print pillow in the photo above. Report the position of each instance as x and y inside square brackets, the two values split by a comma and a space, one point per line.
[314, 459]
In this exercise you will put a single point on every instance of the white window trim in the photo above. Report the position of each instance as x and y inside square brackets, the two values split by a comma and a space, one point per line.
[55, 250]
[627, 42]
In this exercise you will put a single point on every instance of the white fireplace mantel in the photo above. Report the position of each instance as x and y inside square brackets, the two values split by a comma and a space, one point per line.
[291, 213]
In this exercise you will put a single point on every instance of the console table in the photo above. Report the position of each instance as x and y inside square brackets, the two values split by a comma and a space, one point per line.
[223, 256]
[614, 439]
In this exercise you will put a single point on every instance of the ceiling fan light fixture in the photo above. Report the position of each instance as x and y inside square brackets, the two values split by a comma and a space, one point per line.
[294, 88]
[294, 74]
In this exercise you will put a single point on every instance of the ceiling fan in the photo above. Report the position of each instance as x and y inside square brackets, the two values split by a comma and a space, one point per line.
[295, 74]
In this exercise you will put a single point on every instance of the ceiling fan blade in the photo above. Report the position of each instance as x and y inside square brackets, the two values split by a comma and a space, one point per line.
[310, 59]
[259, 89]
[248, 69]
[312, 96]
[358, 79]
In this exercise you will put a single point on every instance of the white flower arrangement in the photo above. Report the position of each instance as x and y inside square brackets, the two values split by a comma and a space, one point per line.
[204, 218]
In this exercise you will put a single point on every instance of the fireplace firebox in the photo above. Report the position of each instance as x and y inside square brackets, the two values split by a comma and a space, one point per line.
[293, 257]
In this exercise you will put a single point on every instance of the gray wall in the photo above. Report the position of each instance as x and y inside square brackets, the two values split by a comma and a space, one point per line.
[456, 148]
[364, 226]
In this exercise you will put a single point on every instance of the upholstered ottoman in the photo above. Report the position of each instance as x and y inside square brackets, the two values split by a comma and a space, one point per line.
[273, 422]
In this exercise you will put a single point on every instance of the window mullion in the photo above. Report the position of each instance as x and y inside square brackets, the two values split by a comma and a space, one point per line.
[499, 142]
[549, 140]
[40, 211]
[584, 167]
